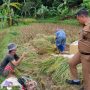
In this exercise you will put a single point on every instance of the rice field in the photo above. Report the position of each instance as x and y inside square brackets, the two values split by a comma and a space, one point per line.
[38, 39]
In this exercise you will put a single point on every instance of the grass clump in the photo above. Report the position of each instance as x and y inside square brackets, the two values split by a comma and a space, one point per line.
[27, 21]
[56, 68]
[43, 45]
[61, 73]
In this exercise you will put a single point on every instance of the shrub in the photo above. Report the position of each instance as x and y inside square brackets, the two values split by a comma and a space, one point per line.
[62, 10]
[86, 3]
[42, 12]
[52, 12]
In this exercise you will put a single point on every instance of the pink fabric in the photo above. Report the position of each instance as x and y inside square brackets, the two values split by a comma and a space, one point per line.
[8, 67]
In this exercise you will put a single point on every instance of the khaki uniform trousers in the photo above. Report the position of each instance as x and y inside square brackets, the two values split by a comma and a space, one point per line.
[85, 61]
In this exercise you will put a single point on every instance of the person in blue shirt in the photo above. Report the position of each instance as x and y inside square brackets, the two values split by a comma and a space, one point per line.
[60, 40]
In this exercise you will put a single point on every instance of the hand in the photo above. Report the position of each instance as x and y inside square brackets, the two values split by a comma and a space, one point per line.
[24, 54]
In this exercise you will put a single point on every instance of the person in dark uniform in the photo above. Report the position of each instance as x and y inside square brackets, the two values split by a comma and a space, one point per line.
[10, 61]
[83, 56]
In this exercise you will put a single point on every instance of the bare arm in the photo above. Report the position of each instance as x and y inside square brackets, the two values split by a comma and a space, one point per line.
[16, 63]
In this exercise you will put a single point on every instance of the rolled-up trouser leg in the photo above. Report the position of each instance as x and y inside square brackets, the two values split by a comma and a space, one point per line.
[73, 66]
[85, 59]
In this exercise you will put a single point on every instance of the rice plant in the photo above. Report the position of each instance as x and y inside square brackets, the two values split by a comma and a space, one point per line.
[61, 74]
[57, 68]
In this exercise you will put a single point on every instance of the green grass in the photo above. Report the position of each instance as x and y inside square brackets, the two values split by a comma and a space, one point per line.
[70, 22]
[28, 21]
[4, 43]
[49, 20]
[7, 38]
[58, 21]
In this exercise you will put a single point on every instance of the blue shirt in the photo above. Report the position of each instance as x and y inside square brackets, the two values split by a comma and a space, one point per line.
[60, 37]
